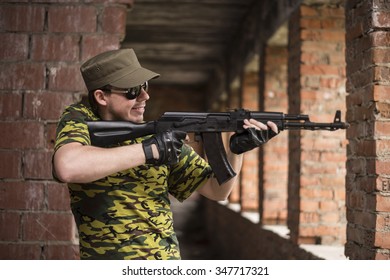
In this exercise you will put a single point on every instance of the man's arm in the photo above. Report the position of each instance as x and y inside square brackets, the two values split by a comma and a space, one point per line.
[77, 163]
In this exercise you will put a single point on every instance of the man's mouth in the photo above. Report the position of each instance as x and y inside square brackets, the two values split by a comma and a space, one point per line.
[139, 108]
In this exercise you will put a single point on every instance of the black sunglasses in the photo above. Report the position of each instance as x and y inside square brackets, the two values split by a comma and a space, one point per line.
[130, 93]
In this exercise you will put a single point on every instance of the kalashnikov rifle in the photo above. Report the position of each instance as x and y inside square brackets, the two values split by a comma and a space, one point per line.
[206, 126]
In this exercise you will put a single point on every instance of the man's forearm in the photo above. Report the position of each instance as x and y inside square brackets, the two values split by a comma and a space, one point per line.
[76, 163]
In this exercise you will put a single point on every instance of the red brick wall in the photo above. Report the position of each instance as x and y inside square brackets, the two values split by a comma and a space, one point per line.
[249, 183]
[368, 183]
[317, 159]
[42, 46]
[275, 153]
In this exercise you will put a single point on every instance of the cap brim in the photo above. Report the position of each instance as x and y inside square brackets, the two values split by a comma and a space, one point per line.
[135, 78]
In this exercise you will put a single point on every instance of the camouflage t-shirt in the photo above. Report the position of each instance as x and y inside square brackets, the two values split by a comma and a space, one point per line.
[127, 215]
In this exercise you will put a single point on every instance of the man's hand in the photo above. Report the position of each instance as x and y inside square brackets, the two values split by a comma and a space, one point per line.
[168, 146]
[255, 134]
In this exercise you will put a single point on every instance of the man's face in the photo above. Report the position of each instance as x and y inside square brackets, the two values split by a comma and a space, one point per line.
[120, 108]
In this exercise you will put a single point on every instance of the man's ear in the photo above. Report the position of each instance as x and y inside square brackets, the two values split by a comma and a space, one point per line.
[100, 97]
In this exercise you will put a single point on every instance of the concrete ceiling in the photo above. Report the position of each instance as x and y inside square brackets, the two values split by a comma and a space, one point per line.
[186, 41]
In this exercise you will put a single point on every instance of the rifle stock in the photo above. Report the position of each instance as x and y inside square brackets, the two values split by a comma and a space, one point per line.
[207, 125]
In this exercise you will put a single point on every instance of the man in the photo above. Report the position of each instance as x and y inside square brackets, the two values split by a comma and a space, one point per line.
[120, 195]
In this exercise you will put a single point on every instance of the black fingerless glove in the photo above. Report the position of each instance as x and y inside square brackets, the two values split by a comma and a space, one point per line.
[168, 145]
[250, 139]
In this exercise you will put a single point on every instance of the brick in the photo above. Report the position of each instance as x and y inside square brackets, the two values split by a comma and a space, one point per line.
[381, 222]
[50, 47]
[309, 169]
[98, 43]
[18, 251]
[114, 20]
[366, 148]
[381, 74]
[308, 205]
[10, 164]
[329, 206]
[381, 93]
[334, 230]
[332, 12]
[380, 39]
[330, 218]
[382, 184]
[331, 83]
[382, 148]
[339, 194]
[328, 36]
[10, 226]
[382, 128]
[319, 70]
[309, 218]
[333, 23]
[312, 23]
[65, 78]
[61, 252]
[365, 219]
[371, 166]
[333, 157]
[317, 46]
[50, 135]
[46, 105]
[37, 164]
[22, 195]
[380, 56]
[382, 240]
[22, 134]
[363, 113]
[10, 106]
[356, 200]
[24, 18]
[310, 193]
[22, 75]
[307, 11]
[354, 31]
[47, 226]
[380, 19]
[380, 4]
[382, 167]
[14, 46]
[381, 256]
[58, 197]
[382, 203]
[383, 109]
[72, 19]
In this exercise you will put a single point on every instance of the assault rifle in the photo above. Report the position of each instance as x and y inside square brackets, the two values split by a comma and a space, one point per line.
[207, 127]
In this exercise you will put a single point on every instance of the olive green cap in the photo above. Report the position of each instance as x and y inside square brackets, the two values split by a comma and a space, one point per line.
[119, 68]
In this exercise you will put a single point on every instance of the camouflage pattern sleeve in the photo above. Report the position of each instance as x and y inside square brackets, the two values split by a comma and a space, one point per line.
[72, 126]
[187, 176]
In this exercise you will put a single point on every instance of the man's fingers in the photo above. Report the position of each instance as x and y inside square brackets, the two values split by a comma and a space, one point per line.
[273, 126]
[255, 124]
